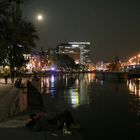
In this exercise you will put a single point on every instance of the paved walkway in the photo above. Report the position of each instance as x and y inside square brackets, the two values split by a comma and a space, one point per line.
[8, 94]
[12, 123]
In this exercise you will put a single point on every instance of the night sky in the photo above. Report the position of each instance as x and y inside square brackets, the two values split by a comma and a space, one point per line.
[112, 26]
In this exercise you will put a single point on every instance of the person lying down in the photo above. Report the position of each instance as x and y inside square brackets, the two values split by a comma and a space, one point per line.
[50, 121]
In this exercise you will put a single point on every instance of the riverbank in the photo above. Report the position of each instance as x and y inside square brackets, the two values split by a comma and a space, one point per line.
[12, 124]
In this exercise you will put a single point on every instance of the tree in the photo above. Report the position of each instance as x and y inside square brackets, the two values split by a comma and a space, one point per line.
[3, 5]
[17, 36]
[63, 61]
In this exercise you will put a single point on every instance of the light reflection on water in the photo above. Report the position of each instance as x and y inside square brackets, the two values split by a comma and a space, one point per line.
[80, 89]
[76, 89]
[134, 86]
[134, 90]
[73, 87]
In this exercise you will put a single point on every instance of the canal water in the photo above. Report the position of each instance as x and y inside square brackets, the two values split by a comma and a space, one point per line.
[105, 109]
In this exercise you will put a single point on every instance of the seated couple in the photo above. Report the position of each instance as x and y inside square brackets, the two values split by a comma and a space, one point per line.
[19, 84]
[50, 121]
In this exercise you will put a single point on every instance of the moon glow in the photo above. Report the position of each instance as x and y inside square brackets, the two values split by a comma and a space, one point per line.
[39, 17]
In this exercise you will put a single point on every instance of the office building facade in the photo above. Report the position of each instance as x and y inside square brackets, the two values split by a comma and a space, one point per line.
[79, 51]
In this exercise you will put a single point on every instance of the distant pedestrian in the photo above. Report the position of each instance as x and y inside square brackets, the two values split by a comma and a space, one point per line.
[12, 75]
[6, 73]
[0, 74]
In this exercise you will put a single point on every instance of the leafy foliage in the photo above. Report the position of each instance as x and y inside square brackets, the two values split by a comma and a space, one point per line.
[17, 36]
[63, 61]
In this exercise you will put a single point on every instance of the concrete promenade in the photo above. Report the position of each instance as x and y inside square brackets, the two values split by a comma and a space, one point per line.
[12, 122]
[8, 94]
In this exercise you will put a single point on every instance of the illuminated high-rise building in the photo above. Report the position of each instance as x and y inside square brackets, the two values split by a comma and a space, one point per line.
[79, 51]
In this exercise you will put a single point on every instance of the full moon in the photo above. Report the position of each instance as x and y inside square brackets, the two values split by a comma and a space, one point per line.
[39, 17]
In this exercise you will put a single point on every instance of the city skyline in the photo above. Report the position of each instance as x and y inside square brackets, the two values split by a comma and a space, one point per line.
[112, 27]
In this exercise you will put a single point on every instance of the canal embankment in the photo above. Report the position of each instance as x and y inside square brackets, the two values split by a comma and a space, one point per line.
[12, 121]
[117, 76]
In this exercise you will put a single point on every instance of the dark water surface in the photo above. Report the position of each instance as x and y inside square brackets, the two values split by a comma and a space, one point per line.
[105, 109]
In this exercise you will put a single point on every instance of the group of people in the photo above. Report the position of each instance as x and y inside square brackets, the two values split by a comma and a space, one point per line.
[18, 82]
[12, 74]
[7, 73]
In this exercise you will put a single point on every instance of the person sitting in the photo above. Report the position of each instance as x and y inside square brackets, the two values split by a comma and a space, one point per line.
[50, 121]
[19, 84]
